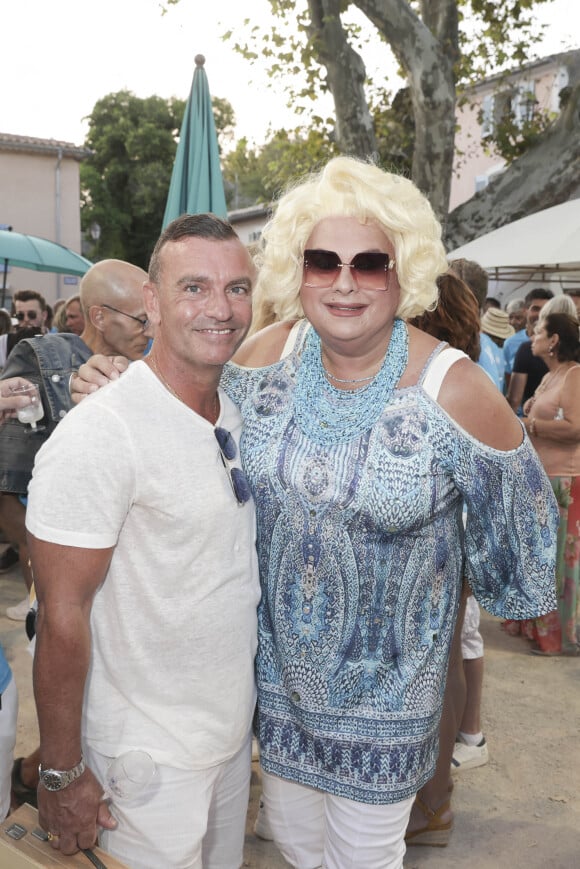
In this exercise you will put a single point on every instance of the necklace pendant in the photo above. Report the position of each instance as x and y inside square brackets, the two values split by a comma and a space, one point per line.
[336, 379]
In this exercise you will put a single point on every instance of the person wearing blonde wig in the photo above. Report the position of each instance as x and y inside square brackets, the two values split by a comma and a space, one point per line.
[362, 439]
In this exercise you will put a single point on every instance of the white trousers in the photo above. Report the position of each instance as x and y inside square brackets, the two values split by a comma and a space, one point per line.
[186, 819]
[313, 829]
[8, 719]
[471, 639]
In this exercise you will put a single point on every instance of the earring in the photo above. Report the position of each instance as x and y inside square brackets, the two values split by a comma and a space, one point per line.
[551, 350]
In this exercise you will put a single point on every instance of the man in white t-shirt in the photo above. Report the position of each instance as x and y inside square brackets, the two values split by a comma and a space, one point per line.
[142, 537]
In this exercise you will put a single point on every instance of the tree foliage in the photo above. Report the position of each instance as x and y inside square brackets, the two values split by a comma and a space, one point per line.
[441, 47]
[511, 136]
[125, 181]
[317, 46]
[258, 175]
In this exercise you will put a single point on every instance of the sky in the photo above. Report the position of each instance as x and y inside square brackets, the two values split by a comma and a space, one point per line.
[60, 56]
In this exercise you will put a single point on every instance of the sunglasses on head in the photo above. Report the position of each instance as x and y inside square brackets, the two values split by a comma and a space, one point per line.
[369, 269]
[237, 478]
[28, 315]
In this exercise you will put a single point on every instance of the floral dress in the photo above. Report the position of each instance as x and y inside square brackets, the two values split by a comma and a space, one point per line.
[362, 551]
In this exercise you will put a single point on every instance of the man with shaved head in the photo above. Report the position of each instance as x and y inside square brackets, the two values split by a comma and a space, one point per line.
[113, 307]
[111, 296]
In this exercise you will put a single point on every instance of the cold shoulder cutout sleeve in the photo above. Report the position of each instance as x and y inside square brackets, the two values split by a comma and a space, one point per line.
[511, 528]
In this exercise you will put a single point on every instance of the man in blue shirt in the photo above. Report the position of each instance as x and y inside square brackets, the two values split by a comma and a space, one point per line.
[517, 310]
[495, 327]
[477, 280]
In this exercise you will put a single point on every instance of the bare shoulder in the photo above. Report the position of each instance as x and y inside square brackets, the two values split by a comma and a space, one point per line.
[265, 347]
[570, 392]
[473, 401]
[467, 395]
[573, 376]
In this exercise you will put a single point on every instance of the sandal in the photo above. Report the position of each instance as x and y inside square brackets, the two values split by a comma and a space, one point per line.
[20, 792]
[435, 832]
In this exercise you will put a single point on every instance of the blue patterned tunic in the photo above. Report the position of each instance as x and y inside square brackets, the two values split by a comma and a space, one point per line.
[362, 552]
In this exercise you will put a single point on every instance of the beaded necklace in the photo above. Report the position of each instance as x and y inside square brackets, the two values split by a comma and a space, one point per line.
[328, 415]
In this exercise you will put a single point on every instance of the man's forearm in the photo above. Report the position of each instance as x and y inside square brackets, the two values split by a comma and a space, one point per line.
[60, 669]
[515, 392]
[66, 579]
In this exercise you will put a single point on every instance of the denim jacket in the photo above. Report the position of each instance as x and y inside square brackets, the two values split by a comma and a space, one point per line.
[47, 360]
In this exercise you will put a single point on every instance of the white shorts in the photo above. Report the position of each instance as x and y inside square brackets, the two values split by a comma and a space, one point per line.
[471, 639]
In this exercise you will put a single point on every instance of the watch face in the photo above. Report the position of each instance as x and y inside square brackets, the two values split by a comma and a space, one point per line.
[57, 779]
[52, 780]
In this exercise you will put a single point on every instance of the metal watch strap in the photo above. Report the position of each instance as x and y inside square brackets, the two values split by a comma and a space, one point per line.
[58, 779]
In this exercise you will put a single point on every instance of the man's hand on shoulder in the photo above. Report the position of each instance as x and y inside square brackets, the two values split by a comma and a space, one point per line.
[97, 372]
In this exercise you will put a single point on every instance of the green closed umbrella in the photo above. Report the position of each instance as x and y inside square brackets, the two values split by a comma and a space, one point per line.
[196, 181]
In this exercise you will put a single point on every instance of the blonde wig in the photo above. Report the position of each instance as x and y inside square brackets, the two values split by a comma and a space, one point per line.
[347, 187]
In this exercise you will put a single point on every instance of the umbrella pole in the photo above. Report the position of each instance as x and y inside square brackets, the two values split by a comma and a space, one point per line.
[4, 282]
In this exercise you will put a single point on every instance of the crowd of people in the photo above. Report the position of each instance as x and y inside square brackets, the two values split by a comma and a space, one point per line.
[541, 358]
[281, 533]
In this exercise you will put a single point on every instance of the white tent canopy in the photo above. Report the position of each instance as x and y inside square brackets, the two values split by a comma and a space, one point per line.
[549, 239]
[543, 247]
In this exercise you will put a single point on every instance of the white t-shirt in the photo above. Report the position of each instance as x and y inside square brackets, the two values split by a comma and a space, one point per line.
[174, 622]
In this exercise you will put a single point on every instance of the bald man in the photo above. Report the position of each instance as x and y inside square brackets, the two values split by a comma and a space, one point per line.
[114, 311]
[111, 295]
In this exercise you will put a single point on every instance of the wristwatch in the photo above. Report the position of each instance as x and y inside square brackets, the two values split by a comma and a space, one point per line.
[57, 779]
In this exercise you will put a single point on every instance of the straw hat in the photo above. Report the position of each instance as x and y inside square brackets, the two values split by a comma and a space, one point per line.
[495, 322]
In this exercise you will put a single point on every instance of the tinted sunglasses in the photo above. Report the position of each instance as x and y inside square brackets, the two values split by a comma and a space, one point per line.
[29, 315]
[237, 478]
[370, 269]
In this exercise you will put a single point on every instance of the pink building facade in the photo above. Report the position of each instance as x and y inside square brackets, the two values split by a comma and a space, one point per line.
[535, 87]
